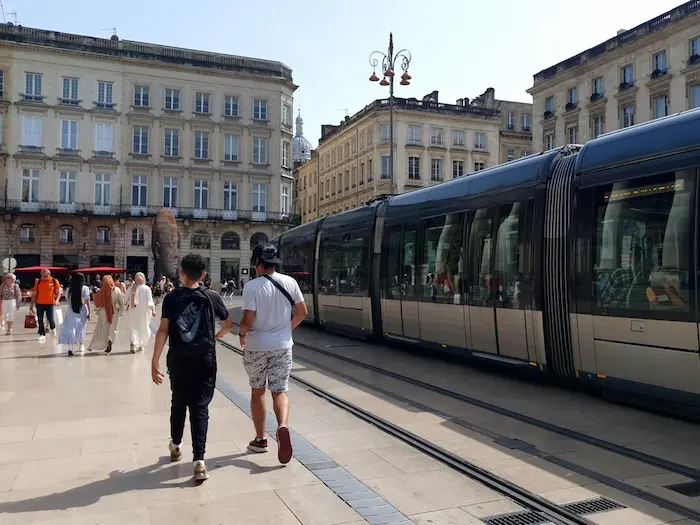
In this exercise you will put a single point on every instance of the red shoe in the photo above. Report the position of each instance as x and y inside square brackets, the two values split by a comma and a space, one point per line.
[284, 445]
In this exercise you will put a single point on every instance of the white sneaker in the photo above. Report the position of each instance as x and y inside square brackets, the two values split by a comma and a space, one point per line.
[175, 451]
[42, 338]
[200, 471]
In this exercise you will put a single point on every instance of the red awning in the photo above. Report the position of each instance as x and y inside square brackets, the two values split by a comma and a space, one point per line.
[100, 269]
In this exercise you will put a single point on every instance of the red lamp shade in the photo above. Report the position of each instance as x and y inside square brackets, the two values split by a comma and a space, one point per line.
[404, 82]
[374, 77]
[384, 82]
[406, 76]
[388, 73]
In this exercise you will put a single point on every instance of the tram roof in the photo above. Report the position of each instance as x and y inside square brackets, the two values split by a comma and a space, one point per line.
[664, 136]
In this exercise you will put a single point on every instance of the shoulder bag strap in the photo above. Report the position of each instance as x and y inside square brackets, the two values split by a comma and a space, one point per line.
[281, 289]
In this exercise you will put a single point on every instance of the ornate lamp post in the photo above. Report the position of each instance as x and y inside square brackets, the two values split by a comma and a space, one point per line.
[388, 62]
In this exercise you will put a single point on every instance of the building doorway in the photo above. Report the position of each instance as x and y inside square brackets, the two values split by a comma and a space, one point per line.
[136, 264]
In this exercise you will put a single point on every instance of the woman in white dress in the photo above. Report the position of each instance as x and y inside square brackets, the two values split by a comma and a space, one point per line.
[140, 310]
[73, 330]
[11, 297]
[109, 302]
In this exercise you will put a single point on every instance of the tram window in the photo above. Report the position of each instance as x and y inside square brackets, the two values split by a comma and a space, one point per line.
[409, 271]
[511, 262]
[442, 259]
[353, 274]
[480, 279]
[391, 252]
[642, 246]
[297, 262]
[330, 265]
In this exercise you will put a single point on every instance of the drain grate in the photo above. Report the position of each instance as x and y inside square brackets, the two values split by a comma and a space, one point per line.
[690, 488]
[518, 518]
[592, 506]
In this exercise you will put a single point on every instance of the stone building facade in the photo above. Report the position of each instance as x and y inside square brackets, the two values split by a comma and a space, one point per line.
[98, 135]
[640, 74]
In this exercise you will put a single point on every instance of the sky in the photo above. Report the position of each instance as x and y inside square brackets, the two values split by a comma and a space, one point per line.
[459, 47]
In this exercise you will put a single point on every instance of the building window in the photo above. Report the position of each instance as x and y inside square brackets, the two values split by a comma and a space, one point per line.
[386, 133]
[201, 103]
[627, 117]
[354, 146]
[32, 87]
[285, 200]
[362, 174]
[201, 194]
[259, 109]
[458, 138]
[549, 104]
[27, 234]
[66, 187]
[141, 96]
[171, 147]
[695, 48]
[231, 147]
[572, 134]
[30, 186]
[230, 241]
[362, 145]
[286, 115]
[511, 120]
[259, 150]
[354, 176]
[102, 189]
[230, 195]
[457, 168]
[511, 155]
[386, 167]
[525, 122]
[660, 106]
[2, 83]
[598, 126]
[65, 235]
[201, 145]
[104, 137]
[436, 136]
[172, 99]
[138, 237]
[571, 97]
[69, 134]
[370, 136]
[524, 153]
[70, 91]
[597, 87]
[626, 76]
[549, 141]
[286, 153]
[170, 187]
[695, 97]
[478, 166]
[259, 197]
[102, 235]
[140, 140]
[370, 172]
[347, 150]
[139, 190]
[105, 92]
[230, 106]
[660, 64]
[436, 170]
[201, 241]
[479, 140]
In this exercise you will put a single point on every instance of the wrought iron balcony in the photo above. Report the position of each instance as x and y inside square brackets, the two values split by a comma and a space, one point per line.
[31, 98]
[105, 105]
[72, 208]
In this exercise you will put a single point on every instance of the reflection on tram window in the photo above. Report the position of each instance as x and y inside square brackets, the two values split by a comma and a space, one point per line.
[643, 245]
[482, 284]
[391, 252]
[342, 265]
[511, 264]
[442, 258]
[298, 262]
[409, 273]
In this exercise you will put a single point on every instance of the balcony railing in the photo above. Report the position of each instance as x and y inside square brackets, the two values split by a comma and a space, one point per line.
[128, 210]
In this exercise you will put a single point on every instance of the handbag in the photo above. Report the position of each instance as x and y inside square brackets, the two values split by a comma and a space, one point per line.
[30, 321]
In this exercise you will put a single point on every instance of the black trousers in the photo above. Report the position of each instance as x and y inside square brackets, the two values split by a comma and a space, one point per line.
[192, 382]
[47, 309]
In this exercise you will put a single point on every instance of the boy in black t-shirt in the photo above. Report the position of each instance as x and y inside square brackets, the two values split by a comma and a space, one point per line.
[188, 321]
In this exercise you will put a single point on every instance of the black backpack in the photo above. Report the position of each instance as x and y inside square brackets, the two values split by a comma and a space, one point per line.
[192, 330]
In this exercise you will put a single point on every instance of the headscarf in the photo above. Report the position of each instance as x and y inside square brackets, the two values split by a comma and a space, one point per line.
[139, 280]
[76, 292]
[103, 298]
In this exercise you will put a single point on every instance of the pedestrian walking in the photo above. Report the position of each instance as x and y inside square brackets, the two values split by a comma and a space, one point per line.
[45, 296]
[11, 297]
[109, 305]
[273, 306]
[188, 323]
[140, 310]
[73, 330]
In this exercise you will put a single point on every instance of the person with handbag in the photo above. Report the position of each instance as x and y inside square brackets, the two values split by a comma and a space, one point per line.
[11, 297]
[75, 323]
[45, 296]
[188, 323]
[273, 306]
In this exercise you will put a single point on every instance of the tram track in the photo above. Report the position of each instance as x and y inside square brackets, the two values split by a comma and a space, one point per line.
[546, 509]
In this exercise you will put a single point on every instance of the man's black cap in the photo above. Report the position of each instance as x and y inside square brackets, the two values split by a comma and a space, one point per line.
[265, 253]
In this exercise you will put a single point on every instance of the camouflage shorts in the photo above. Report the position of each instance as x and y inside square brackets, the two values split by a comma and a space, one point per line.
[271, 367]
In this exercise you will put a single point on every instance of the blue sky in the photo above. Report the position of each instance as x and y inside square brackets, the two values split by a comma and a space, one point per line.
[459, 47]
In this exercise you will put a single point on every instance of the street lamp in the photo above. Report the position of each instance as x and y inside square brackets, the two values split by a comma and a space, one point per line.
[388, 61]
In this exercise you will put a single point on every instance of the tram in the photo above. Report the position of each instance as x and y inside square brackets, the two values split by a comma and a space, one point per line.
[579, 261]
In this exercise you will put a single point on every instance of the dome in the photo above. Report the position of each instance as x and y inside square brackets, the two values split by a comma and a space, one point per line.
[301, 148]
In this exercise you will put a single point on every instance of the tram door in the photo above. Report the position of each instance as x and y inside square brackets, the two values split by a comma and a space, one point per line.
[399, 289]
[482, 321]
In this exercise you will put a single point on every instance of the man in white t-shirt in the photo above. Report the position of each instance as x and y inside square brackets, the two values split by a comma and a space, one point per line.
[273, 306]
